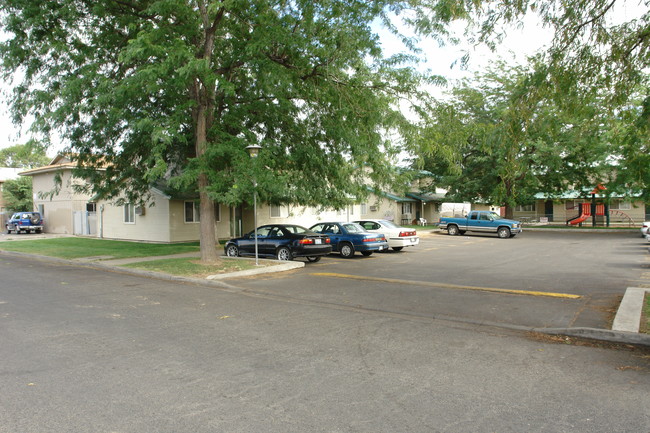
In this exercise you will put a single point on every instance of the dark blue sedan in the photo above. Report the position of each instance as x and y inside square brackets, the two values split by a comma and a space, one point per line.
[282, 241]
[346, 238]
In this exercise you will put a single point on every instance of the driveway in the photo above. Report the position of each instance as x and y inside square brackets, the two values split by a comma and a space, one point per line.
[538, 279]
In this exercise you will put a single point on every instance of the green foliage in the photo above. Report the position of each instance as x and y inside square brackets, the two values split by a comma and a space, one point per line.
[28, 155]
[178, 89]
[504, 137]
[17, 194]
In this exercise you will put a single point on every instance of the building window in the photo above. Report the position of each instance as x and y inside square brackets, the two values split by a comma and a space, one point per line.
[364, 208]
[525, 208]
[279, 211]
[620, 205]
[129, 213]
[572, 204]
[192, 212]
[91, 207]
[407, 208]
[217, 212]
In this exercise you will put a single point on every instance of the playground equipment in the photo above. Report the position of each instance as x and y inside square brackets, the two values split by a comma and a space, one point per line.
[585, 213]
[593, 210]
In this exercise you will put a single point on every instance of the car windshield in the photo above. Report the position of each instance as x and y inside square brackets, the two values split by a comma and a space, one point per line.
[389, 224]
[493, 216]
[353, 228]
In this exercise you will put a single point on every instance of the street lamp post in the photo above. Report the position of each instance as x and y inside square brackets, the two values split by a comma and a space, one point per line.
[253, 151]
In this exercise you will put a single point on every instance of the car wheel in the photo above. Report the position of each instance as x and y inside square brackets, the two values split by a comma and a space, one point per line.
[503, 232]
[397, 249]
[232, 251]
[366, 253]
[347, 250]
[39, 231]
[452, 230]
[313, 259]
[283, 253]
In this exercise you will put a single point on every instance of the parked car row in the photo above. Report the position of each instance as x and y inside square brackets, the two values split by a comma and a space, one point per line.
[288, 241]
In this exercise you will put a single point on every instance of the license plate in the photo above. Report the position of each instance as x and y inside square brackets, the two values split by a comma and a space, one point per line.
[318, 241]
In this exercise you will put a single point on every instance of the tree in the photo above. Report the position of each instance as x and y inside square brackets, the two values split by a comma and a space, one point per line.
[602, 48]
[28, 155]
[17, 194]
[177, 89]
[503, 137]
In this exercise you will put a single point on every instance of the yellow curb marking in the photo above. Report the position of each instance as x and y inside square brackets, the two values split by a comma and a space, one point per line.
[449, 286]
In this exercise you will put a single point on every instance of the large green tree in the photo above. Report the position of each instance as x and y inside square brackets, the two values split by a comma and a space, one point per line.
[503, 137]
[17, 194]
[28, 155]
[177, 89]
[602, 48]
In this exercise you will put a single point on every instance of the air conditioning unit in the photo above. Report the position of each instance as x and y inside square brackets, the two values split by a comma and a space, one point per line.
[373, 208]
[139, 210]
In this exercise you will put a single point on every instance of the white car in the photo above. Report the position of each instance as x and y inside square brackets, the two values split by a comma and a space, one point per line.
[644, 228]
[397, 237]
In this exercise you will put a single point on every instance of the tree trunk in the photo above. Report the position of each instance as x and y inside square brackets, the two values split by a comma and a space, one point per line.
[208, 240]
[509, 212]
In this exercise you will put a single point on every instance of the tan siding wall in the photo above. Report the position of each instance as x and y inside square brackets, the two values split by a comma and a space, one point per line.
[153, 226]
[58, 211]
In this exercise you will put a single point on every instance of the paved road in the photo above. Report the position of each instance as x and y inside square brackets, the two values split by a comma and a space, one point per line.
[84, 350]
[550, 279]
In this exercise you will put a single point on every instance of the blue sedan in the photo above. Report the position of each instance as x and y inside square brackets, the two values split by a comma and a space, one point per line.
[346, 238]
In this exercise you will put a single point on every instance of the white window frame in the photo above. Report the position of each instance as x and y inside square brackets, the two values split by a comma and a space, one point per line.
[363, 208]
[620, 204]
[278, 211]
[129, 213]
[217, 212]
[525, 207]
[196, 212]
[407, 208]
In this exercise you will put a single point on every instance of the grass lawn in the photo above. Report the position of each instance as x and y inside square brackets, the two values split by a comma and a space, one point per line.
[191, 267]
[74, 248]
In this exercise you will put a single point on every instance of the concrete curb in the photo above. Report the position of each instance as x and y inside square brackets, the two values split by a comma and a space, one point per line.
[621, 337]
[280, 267]
[628, 316]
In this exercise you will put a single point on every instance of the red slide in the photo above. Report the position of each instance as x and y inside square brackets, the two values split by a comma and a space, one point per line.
[578, 220]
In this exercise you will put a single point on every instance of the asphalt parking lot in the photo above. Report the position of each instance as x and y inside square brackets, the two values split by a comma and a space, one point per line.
[537, 279]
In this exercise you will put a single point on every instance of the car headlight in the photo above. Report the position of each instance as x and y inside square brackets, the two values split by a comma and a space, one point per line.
[514, 226]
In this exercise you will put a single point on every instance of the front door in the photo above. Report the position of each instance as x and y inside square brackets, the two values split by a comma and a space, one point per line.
[548, 209]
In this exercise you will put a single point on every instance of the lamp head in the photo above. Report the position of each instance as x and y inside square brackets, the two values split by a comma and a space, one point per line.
[253, 150]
